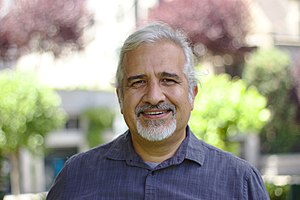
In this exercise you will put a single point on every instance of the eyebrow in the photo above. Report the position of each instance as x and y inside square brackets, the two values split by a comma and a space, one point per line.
[135, 77]
[171, 75]
[162, 74]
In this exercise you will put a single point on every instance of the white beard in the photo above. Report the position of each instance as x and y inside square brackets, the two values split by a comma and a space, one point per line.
[156, 130]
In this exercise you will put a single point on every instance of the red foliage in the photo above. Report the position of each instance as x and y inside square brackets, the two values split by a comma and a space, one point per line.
[219, 25]
[42, 25]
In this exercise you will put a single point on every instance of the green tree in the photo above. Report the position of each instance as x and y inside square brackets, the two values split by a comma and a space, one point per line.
[28, 111]
[225, 108]
[269, 71]
[99, 120]
[278, 192]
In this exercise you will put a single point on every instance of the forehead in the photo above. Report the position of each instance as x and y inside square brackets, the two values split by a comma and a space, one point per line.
[158, 56]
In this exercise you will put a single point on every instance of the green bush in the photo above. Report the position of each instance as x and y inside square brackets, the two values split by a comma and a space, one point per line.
[99, 120]
[278, 192]
[269, 71]
[226, 108]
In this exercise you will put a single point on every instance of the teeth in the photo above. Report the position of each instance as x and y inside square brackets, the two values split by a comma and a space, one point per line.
[153, 113]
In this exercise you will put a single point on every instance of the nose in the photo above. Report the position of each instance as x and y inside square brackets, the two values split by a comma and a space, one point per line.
[154, 94]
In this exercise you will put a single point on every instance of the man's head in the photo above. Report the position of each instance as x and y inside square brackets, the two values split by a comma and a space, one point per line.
[156, 81]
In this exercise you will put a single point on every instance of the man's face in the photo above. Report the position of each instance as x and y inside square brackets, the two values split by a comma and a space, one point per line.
[155, 101]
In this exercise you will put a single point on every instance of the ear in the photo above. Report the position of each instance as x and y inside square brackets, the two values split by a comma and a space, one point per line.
[195, 92]
[119, 95]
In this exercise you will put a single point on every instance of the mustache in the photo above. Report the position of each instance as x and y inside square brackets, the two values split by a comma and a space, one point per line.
[160, 106]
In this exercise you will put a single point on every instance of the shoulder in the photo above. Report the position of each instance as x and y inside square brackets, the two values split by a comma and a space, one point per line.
[95, 154]
[222, 155]
[229, 163]
[231, 169]
[207, 154]
[81, 169]
[212, 157]
[224, 158]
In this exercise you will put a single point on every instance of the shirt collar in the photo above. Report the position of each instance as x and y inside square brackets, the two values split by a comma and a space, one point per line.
[191, 149]
[122, 148]
[195, 149]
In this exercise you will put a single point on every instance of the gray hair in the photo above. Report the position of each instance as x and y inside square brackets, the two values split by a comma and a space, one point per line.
[153, 33]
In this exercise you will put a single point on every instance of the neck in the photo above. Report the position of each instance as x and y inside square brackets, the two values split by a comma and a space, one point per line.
[157, 151]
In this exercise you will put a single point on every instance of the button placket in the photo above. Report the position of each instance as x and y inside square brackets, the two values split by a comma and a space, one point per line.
[150, 186]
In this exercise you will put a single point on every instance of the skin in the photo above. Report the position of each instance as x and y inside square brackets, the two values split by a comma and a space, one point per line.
[153, 73]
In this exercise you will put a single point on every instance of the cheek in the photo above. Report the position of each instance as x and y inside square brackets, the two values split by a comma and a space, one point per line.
[183, 106]
[130, 101]
[179, 97]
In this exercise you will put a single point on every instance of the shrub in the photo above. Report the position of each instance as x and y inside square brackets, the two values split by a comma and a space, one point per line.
[269, 71]
[226, 108]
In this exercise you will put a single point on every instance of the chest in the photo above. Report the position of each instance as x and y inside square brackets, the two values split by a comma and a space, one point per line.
[185, 181]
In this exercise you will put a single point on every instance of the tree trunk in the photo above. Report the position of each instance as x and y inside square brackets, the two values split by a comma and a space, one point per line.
[14, 173]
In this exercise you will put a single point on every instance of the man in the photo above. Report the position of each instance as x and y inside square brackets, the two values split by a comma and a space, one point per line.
[158, 157]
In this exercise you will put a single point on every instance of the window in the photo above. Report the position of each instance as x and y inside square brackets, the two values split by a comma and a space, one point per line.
[73, 123]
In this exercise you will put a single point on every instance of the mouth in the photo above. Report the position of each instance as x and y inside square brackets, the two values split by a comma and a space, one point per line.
[155, 112]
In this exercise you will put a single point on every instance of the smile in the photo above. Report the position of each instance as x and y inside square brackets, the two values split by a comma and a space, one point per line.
[157, 111]
[154, 113]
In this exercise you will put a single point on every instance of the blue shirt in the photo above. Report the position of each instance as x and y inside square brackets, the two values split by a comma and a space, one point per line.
[196, 171]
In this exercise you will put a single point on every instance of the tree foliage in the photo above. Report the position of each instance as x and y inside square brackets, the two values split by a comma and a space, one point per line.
[278, 192]
[99, 120]
[218, 26]
[28, 112]
[269, 70]
[42, 25]
[226, 108]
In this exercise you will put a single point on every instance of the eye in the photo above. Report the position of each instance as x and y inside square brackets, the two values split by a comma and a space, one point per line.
[168, 81]
[138, 83]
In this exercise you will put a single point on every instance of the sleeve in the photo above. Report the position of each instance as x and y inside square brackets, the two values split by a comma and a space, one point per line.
[254, 187]
[58, 188]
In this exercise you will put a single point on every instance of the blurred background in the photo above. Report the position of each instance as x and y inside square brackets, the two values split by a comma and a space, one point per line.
[57, 65]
